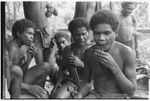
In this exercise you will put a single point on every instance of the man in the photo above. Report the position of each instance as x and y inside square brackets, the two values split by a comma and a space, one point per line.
[127, 25]
[21, 50]
[109, 63]
[73, 58]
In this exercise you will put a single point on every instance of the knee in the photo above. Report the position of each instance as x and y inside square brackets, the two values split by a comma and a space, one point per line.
[17, 71]
[49, 68]
[54, 68]
[45, 66]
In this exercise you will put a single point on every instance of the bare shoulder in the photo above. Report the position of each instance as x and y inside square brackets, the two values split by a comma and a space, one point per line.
[11, 47]
[126, 52]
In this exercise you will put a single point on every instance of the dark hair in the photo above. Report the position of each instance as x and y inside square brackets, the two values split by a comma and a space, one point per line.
[104, 17]
[62, 34]
[126, 4]
[21, 25]
[78, 23]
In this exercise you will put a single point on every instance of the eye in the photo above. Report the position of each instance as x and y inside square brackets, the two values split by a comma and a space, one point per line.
[63, 42]
[107, 33]
[96, 33]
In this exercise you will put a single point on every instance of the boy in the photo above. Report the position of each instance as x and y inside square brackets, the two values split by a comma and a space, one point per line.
[111, 63]
[73, 58]
[128, 24]
[61, 39]
[21, 49]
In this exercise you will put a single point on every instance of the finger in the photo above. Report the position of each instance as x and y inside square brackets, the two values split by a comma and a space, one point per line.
[42, 95]
[32, 48]
[70, 59]
[100, 51]
[99, 55]
[41, 89]
[37, 96]
[70, 56]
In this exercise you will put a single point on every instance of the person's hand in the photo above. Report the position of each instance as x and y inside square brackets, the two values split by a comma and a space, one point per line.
[105, 59]
[37, 91]
[32, 49]
[75, 61]
[53, 46]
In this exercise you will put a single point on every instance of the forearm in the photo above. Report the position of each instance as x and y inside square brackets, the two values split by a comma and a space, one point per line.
[51, 58]
[25, 86]
[125, 84]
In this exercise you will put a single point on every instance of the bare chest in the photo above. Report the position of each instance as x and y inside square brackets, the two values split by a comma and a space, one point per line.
[100, 69]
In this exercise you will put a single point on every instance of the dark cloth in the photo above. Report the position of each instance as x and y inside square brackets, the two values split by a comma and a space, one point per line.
[77, 51]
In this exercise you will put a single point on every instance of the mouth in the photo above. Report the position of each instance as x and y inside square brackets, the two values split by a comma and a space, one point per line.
[103, 47]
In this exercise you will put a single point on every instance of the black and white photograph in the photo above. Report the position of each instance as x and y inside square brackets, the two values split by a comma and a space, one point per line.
[73, 49]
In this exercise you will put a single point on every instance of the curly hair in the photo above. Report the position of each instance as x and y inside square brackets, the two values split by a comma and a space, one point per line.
[61, 34]
[104, 17]
[78, 23]
[21, 25]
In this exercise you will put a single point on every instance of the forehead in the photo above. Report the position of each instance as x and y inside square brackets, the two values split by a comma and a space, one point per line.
[102, 27]
[29, 29]
[61, 39]
[80, 30]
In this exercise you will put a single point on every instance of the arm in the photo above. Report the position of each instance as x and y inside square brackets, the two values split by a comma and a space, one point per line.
[35, 90]
[53, 50]
[87, 81]
[127, 78]
[60, 79]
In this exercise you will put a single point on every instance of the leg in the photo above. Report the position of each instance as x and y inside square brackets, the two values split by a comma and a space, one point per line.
[16, 80]
[37, 74]
[53, 75]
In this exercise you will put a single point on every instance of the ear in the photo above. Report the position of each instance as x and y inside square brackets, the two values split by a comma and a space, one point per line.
[18, 34]
[116, 33]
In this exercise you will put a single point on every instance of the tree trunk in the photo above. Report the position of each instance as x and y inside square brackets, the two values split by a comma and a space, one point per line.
[35, 11]
[15, 7]
[85, 9]
[98, 6]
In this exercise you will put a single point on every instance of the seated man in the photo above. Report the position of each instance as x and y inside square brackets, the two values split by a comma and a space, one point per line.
[72, 59]
[21, 49]
[110, 63]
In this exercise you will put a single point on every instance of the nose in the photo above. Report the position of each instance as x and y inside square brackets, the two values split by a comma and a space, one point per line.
[102, 37]
[81, 37]
[62, 45]
[32, 37]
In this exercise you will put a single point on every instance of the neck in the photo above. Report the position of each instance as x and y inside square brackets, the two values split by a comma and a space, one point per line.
[18, 42]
